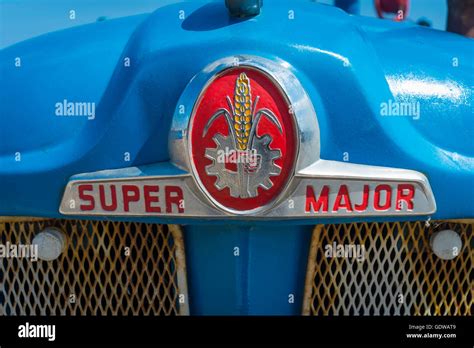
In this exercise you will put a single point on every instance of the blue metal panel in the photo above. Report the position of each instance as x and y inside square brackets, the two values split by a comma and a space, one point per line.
[342, 61]
[348, 65]
[257, 278]
[350, 6]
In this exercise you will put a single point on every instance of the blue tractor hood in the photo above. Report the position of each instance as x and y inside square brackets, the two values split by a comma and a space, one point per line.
[135, 69]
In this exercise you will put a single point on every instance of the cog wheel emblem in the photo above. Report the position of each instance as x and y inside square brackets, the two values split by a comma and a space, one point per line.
[243, 139]
[250, 173]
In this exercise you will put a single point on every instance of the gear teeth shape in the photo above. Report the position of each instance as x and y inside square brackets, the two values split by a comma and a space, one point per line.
[210, 170]
[266, 184]
[266, 139]
[219, 139]
[252, 193]
[220, 184]
[276, 170]
[229, 179]
[275, 154]
[234, 192]
[211, 154]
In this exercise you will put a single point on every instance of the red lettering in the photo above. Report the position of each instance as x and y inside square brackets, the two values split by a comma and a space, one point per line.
[127, 198]
[315, 205]
[86, 197]
[407, 197]
[388, 197]
[365, 200]
[176, 198]
[343, 195]
[149, 199]
[113, 194]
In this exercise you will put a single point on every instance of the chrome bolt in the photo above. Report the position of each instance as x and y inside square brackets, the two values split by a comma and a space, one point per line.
[51, 243]
[446, 244]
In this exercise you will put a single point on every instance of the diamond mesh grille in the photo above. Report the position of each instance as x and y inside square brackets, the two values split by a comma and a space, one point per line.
[399, 276]
[108, 268]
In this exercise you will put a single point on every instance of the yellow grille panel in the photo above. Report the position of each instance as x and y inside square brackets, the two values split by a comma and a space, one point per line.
[399, 276]
[108, 268]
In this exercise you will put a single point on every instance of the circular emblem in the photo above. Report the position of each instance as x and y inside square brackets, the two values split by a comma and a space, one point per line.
[242, 139]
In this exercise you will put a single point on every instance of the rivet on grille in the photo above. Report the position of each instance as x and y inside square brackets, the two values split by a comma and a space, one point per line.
[51, 243]
[446, 244]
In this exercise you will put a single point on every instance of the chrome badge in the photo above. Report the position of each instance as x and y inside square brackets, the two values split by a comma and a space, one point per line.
[242, 140]
[244, 143]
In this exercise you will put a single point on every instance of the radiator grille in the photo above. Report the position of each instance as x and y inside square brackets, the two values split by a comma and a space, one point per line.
[108, 268]
[400, 274]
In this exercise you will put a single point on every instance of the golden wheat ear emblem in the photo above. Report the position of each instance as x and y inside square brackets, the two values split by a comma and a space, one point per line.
[257, 166]
[242, 111]
[241, 117]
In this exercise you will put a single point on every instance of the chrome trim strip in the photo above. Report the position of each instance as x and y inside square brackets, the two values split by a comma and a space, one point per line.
[309, 168]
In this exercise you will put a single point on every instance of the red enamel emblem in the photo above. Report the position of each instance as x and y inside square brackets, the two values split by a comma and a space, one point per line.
[242, 139]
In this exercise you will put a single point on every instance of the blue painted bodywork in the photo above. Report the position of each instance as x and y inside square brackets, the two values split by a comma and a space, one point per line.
[348, 65]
